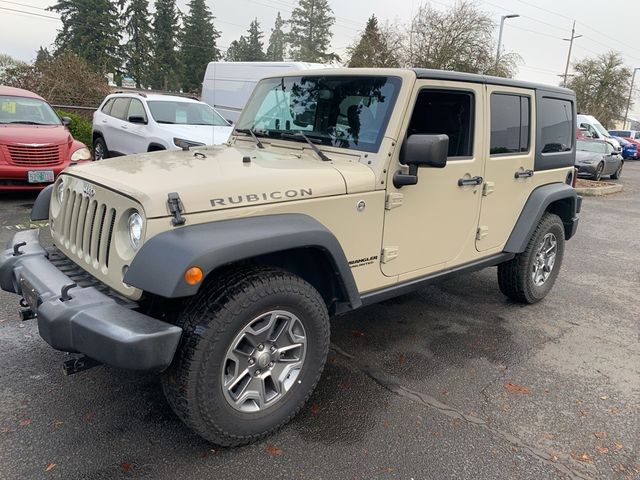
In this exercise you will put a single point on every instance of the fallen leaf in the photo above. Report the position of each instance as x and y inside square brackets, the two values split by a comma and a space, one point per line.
[614, 410]
[600, 434]
[50, 466]
[126, 467]
[357, 333]
[515, 388]
[618, 446]
[602, 450]
[89, 416]
[345, 385]
[621, 467]
[25, 422]
[584, 458]
[548, 436]
[583, 413]
[5, 429]
[603, 397]
[554, 458]
[315, 408]
[272, 450]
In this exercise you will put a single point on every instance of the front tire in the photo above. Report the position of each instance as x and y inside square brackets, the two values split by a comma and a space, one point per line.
[616, 175]
[529, 277]
[597, 175]
[253, 348]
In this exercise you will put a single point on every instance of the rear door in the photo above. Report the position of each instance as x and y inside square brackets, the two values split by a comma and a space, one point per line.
[114, 133]
[510, 165]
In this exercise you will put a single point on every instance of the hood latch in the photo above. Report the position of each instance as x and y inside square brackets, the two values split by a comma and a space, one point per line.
[175, 208]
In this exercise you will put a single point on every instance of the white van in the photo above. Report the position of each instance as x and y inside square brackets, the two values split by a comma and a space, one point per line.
[228, 85]
[594, 128]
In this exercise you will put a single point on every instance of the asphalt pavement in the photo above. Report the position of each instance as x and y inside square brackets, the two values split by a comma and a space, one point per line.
[453, 381]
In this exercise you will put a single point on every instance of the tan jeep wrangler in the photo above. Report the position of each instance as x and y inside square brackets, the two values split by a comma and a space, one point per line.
[221, 266]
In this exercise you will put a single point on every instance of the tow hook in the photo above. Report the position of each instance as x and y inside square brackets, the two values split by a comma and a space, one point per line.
[77, 362]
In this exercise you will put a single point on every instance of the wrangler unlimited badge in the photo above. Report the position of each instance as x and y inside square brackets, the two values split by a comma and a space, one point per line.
[256, 197]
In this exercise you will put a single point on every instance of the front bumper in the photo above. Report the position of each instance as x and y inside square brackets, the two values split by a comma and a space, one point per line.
[89, 322]
[587, 168]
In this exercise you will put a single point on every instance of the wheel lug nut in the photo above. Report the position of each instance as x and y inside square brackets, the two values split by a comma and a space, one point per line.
[258, 372]
[271, 364]
[273, 349]
[251, 361]
[260, 347]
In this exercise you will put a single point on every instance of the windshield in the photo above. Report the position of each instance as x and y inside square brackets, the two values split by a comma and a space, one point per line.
[185, 113]
[341, 111]
[601, 130]
[595, 147]
[26, 111]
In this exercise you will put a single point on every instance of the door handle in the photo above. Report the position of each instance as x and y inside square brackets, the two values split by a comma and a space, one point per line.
[104, 121]
[524, 174]
[123, 127]
[463, 182]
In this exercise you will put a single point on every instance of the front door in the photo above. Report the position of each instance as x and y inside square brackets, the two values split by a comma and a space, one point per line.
[434, 223]
[509, 169]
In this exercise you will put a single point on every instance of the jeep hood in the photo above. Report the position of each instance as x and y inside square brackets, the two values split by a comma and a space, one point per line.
[215, 178]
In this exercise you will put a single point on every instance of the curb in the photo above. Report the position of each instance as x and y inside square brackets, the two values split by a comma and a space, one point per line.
[606, 189]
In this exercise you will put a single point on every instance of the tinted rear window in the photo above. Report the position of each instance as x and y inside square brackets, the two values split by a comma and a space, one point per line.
[120, 107]
[509, 124]
[107, 107]
[557, 125]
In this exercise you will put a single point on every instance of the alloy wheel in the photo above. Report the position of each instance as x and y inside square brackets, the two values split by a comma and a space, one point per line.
[545, 259]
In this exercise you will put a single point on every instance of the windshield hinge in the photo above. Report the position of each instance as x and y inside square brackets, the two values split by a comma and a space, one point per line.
[175, 208]
[393, 200]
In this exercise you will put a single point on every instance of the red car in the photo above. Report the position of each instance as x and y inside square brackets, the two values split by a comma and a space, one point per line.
[35, 145]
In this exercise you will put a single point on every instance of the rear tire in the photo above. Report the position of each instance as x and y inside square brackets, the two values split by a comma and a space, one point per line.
[100, 150]
[219, 382]
[530, 275]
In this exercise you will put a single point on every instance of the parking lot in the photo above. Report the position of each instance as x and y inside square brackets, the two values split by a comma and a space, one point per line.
[451, 382]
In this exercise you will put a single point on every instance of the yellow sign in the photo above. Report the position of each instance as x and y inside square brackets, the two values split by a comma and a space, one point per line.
[9, 107]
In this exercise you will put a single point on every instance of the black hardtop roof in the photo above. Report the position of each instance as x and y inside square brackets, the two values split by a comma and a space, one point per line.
[426, 73]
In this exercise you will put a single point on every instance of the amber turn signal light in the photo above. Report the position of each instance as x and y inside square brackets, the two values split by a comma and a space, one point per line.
[193, 276]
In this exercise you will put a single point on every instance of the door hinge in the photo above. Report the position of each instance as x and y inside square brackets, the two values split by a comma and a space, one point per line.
[488, 188]
[393, 200]
[175, 208]
[389, 253]
[482, 232]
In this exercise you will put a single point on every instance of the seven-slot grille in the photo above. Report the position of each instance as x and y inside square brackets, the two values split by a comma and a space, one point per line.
[34, 155]
[85, 228]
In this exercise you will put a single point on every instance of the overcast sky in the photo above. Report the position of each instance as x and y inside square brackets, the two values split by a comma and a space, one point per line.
[536, 36]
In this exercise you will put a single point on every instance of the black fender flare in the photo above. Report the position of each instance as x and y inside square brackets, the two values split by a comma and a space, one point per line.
[558, 198]
[160, 264]
[155, 147]
[40, 209]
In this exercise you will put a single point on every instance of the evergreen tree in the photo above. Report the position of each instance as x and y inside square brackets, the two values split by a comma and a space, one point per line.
[43, 55]
[372, 50]
[254, 51]
[165, 66]
[275, 50]
[91, 30]
[137, 50]
[310, 35]
[198, 44]
[237, 50]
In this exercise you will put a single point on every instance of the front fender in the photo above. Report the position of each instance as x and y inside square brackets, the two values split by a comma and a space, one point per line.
[160, 264]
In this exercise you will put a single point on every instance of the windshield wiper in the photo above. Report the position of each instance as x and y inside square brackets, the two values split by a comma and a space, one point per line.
[250, 131]
[166, 121]
[318, 152]
[27, 122]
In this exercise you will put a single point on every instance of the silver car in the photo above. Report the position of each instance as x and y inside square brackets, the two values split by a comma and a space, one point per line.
[596, 158]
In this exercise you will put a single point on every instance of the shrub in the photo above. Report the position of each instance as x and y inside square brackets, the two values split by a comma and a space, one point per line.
[79, 127]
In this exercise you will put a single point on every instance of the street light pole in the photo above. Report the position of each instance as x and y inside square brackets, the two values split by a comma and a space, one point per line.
[570, 40]
[502, 19]
[626, 113]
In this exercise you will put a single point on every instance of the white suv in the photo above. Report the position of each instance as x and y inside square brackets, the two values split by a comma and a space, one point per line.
[128, 123]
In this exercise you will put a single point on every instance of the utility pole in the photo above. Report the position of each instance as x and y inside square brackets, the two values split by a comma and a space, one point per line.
[626, 113]
[570, 40]
[502, 19]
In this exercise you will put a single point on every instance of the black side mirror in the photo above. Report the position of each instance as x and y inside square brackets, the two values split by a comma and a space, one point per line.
[421, 151]
[66, 121]
[137, 119]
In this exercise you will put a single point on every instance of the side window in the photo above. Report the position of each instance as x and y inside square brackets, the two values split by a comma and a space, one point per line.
[556, 125]
[136, 109]
[120, 107]
[449, 112]
[107, 107]
[510, 126]
[609, 148]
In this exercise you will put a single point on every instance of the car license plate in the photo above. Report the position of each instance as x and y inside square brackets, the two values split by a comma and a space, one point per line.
[40, 176]
[29, 294]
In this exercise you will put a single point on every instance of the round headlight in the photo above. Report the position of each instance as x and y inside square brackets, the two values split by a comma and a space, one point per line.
[60, 192]
[81, 154]
[135, 229]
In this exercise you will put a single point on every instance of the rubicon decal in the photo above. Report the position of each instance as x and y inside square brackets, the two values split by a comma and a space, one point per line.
[361, 262]
[262, 197]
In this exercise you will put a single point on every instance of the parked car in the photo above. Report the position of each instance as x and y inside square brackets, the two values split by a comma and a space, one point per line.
[228, 85]
[633, 134]
[595, 158]
[128, 123]
[629, 150]
[636, 143]
[596, 130]
[35, 145]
